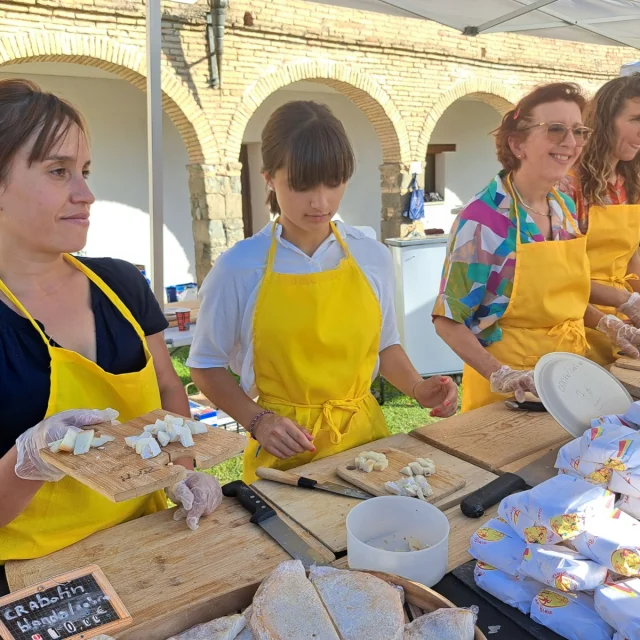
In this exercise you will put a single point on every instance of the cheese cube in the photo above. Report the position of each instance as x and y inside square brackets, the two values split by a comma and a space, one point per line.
[186, 439]
[54, 447]
[164, 438]
[83, 442]
[151, 449]
[69, 441]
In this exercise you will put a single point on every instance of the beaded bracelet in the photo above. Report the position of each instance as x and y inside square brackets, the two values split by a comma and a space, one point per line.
[254, 422]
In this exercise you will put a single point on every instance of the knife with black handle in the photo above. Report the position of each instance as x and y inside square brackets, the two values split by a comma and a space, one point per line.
[476, 503]
[269, 521]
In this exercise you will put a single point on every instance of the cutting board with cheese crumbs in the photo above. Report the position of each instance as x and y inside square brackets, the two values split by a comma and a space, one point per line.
[117, 472]
[443, 482]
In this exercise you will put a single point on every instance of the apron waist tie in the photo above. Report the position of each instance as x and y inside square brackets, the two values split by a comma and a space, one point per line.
[617, 280]
[352, 405]
[572, 330]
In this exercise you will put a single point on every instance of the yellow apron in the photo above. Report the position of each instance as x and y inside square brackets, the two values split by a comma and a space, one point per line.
[613, 237]
[545, 313]
[64, 512]
[316, 342]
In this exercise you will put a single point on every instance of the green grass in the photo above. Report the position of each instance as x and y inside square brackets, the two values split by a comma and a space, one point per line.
[401, 412]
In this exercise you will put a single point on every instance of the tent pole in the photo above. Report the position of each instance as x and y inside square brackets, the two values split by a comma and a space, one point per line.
[154, 146]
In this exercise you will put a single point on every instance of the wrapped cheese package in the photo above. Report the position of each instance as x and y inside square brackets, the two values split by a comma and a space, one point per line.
[562, 568]
[626, 482]
[571, 615]
[618, 603]
[498, 545]
[512, 590]
[555, 510]
[615, 446]
[569, 462]
[613, 542]
[631, 506]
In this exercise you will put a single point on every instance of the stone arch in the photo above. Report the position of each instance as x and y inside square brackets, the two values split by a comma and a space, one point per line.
[362, 89]
[128, 62]
[492, 92]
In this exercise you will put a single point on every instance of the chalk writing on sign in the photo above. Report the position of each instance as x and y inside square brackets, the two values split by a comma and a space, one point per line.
[77, 605]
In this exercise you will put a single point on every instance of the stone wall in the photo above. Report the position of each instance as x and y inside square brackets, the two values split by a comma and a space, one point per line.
[402, 73]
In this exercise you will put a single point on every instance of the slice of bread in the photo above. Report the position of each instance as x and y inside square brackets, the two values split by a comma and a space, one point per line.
[442, 624]
[226, 628]
[287, 607]
[360, 605]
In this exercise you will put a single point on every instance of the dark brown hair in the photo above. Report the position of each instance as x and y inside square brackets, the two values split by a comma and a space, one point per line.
[307, 139]
[595, 163]
[27, 111]
[515, 121]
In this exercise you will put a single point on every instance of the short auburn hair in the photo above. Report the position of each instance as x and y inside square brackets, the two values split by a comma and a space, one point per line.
[514, 122]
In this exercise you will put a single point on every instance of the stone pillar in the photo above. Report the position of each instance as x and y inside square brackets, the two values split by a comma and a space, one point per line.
[216, 209]
[394, 182]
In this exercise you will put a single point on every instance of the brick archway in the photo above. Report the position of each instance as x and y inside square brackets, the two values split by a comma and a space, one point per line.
[492, 92]
[363, 90]
[128, 62]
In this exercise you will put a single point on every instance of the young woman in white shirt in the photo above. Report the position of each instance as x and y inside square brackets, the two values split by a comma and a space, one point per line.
[303, 311]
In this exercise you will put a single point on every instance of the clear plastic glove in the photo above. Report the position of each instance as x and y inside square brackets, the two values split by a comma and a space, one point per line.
[506, 380]
[30, 465]
[625, 336]
[199, 494]
[631, 309]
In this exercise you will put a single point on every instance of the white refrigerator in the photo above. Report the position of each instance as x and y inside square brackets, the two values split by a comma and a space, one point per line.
[418, 270]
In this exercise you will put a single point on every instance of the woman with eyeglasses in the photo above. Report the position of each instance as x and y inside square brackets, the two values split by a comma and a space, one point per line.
[516, 278]
[606, 189]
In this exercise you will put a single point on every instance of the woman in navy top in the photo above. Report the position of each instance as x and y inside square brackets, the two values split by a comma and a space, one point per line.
[77, 336]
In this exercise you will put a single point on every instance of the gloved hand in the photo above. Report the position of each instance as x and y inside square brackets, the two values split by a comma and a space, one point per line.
[199, 494]
[30, 465]
[623, 335]
[631, 309]
[507, 380]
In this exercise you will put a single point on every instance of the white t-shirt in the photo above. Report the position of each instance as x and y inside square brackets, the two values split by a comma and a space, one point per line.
[224, 330]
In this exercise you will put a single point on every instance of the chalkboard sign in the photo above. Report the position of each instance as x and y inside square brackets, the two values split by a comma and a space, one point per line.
[74, 606]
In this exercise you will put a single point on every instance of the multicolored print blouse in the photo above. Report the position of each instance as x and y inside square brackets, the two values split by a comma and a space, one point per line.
[478, 273]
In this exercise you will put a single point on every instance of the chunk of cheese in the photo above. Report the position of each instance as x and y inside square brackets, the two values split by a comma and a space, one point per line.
[83, 442]
[69, 441]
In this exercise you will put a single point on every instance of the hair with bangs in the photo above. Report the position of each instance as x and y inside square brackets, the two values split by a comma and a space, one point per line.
[596, 161]
[27, 112]
[515, 122]
[307, 139]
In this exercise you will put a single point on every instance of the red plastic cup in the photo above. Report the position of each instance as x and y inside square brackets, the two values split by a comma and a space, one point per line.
[183, 317]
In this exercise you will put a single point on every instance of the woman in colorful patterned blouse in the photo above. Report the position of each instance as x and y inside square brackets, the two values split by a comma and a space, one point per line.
[516, 279]
[606, 189]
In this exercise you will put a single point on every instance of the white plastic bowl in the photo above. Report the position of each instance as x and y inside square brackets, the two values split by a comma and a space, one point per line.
[378, 531]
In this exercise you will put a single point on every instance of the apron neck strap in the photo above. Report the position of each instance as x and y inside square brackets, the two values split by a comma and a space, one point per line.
[18, 305]
[556, 197]
[272, 250]
[119, 305]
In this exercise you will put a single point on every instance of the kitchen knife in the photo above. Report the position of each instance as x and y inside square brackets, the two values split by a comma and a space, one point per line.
[527, 405]
[275, 475]
[267, 519]
[476, 503]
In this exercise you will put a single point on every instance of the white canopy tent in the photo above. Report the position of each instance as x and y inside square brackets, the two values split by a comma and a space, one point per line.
[629, 68]
[609, 22]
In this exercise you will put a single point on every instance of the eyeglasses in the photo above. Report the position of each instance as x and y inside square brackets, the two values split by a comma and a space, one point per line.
[558, 132]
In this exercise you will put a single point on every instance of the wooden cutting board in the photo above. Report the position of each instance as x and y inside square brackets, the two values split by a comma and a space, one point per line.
[628, 363]
[324, 514]
[117, 472]
[494, 436]
[443, 482]
[169, 577]
[628, 376]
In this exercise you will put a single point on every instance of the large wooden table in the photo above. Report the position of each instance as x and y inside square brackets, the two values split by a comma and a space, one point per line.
[324, 515]
[168, 576]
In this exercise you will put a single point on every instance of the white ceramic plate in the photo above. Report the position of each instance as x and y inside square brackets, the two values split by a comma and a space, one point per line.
[575, 390]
